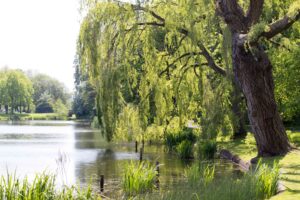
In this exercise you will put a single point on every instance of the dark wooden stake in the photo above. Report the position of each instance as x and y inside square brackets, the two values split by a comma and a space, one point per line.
[141, 154]
[157, 175]
[101, 183]
[136, 146]
[157, 168]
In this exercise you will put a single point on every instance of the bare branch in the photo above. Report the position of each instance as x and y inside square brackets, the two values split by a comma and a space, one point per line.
[150, 23]
[210, 60]
[155, 15]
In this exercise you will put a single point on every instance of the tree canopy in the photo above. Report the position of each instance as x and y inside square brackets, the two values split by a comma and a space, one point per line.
[16, 90]
[184, 58]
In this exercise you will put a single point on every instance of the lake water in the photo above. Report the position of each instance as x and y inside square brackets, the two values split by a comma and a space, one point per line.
[76, 153]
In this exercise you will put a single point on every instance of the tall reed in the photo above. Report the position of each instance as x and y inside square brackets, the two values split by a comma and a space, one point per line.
[138, 178]
[43, 187]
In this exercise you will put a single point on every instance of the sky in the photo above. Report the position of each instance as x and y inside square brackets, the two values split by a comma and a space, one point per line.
[40, 35]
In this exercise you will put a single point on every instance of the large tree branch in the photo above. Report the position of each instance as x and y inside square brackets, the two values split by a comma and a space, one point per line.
[254, 12]
[272, 29]
[232, 13]
[280, 25]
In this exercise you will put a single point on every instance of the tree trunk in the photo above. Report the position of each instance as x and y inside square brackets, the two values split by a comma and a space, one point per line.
[239, 112]
[253, 71]
[6, 109]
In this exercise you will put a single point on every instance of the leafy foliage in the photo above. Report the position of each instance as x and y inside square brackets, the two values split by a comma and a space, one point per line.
[152, 67]
[16, 90]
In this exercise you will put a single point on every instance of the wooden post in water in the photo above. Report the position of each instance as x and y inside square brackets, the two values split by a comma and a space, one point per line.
[136, 146]
[141, 154]
[157, 175]
[157, 168]
[101, 183]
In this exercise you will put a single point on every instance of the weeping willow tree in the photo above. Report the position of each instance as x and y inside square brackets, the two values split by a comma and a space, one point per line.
[161, 52]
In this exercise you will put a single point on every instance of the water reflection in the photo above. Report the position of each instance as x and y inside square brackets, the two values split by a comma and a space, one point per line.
[75, 153]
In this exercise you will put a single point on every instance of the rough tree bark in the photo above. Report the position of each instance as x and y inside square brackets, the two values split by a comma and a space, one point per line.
[239, 112]
[253, 72]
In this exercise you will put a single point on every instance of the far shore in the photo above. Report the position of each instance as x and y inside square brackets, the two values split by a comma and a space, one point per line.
[33, 116]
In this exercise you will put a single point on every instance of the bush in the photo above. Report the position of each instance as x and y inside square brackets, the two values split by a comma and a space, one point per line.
[174, 139]
[95, 123]
[250, 140]
[185, 149]
[138, 178]
[206, 149]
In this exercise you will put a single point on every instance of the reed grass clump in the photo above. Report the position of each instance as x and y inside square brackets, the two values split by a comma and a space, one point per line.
[185, 149]
[206, 150]
[267, 179]
[43, 187]
[138, 178]
[202, 183]
[200, 173]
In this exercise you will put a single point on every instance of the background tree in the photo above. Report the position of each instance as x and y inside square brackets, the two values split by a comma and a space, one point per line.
[84, 97]
[47, 91]
[18, 89]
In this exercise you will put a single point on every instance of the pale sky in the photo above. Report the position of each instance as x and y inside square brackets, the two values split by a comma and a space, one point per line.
[40, 35]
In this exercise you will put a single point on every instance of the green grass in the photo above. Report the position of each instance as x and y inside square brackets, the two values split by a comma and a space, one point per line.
[289, 165]
[32, 116]
[203, 185]
[43, 187]
[138, 178]
[200, 174]
[185, 149]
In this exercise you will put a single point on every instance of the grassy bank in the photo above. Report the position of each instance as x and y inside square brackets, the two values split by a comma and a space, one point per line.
[32, 116]
[247, 186]
[289, 165]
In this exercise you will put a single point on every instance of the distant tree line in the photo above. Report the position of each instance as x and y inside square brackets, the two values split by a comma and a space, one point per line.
[25, 92]
[84, 97]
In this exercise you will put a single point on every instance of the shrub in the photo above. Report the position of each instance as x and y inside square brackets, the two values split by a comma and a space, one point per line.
[250, 140]
[206, 149]
[95, 123]
[138, 178]
[185, 149]
[173, 139]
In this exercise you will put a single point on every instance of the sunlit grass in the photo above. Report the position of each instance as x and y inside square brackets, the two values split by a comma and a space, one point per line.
[138, 178]
[202, 184]
[43, 187]
[200, 173]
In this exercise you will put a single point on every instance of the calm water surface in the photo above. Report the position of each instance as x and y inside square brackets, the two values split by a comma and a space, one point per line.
[76, 153]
